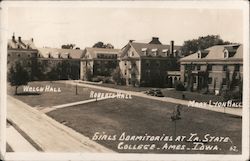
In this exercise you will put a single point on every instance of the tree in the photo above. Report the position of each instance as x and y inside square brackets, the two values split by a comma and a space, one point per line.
[18, 76]
[68, 46]
[192, 46]
[98, 45]
[117, 76]
[102, 45]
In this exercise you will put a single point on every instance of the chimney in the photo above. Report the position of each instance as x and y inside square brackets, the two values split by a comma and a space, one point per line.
[130, 41]
[19, 39]
[171, 47]
[13, 37]
[155, 40]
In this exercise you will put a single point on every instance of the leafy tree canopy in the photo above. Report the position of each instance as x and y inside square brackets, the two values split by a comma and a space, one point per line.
[69, 46]
[18, 75]
[192, 46]
[102, 45]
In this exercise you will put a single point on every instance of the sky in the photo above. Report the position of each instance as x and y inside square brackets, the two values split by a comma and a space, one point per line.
[52, 27]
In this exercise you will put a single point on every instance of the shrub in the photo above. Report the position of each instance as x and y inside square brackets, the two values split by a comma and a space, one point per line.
[232, 95]
[179, 86]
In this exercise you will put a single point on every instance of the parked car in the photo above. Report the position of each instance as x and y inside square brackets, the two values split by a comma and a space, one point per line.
[154, 92]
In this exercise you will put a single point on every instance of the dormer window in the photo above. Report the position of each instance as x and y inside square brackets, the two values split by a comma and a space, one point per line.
[175, 52]
[154, 52]
[226, 53]
[199, 54]
[144, 51]
[132, 53]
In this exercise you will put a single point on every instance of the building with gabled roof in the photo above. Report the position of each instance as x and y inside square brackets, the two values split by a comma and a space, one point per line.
[23, 52]
[98, 62]
[148, 64]
[65, 61]
[214, 69]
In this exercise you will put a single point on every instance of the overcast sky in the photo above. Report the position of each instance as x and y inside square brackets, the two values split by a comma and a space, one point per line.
[53, 27]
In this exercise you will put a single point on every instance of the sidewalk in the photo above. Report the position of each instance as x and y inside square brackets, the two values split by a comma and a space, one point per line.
[47, 133]
[232, 111]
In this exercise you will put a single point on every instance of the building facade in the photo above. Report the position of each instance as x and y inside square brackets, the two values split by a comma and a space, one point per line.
[148, 64]
[214, 69]
[65, 63]
[98, 62]
[23, 52]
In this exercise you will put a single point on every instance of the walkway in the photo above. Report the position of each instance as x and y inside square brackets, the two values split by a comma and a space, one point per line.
[48, 134]
[49, 109]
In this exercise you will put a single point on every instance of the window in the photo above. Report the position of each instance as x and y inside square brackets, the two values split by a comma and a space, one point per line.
[144, 51]
[224, 67]
[125, 63]
[165, 52]
[210, 80]
[185, 79]
[157, 63]
[198, 67]
[209, 67]
[194, 79]
[28, 55]
[226, 54]
[154, 52]
[237, 67]
[8, 54]
[125, 72]
[199, 54]
[224, 81]
[18, 55]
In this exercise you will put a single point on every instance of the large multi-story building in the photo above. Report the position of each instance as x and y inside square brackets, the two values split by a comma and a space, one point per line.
[98, 62]
[40, 61]
[66, 62]
[214, 69]
[150, 64]
[23, 52]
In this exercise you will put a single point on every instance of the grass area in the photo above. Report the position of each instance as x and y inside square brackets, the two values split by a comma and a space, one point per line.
[46, 99]
[170, 93]
[140, 116]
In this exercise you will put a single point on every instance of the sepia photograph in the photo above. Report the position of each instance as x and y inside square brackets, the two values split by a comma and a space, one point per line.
[123, 78]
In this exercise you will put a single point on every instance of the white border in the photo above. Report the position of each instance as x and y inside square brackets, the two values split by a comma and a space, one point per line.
[244, 5]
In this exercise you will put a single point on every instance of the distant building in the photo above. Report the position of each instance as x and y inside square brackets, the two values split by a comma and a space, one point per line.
[150, 64]
[22, 51]
[65, 61]
[98, 61]
[214, 69]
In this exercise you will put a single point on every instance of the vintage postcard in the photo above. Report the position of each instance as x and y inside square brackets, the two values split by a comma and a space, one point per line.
[126, 80]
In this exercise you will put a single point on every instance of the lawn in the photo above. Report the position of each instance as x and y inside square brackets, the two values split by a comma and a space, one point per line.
[170, 92]
[140, 116]
[47, 99]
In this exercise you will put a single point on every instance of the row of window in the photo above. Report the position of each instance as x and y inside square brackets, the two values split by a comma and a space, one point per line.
[210, 67]
[107, 56]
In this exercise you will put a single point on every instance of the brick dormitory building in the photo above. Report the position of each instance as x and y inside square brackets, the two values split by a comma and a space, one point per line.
[41, 61]
[150, 64]
[215, 69]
